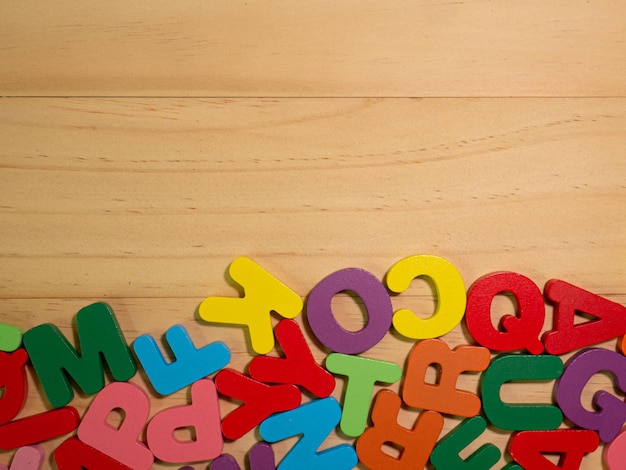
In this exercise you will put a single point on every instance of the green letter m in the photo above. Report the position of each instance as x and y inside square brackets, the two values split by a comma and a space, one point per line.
[55, 360]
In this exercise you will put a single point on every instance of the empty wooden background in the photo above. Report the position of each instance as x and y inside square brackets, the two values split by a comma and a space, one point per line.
[145, 145]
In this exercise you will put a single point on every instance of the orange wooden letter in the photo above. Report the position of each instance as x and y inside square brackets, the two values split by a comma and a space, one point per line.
[416, 444]
[443, 396]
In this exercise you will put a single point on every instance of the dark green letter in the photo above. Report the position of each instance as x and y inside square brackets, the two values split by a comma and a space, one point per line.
[55, 360]
[519, 368]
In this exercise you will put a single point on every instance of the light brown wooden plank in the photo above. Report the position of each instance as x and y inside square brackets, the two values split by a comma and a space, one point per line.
[100, 198]
[352, 48]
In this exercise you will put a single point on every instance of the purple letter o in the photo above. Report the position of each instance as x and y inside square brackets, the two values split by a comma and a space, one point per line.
[377, 304]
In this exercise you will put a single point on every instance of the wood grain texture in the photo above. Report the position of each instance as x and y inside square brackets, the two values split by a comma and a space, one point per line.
[145, 145]
[319, 48]
[167, 192]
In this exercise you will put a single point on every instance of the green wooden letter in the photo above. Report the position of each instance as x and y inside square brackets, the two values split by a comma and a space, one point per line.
[55, 360]
[446, 454]
[520, 367]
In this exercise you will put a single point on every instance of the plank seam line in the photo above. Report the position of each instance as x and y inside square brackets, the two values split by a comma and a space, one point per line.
[312, 97]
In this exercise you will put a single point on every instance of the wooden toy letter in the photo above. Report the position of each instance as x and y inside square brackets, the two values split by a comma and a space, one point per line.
[520, 331]
[260, 401]
[446, 456]
[415, 444]
[443, 396]
[527, 447]
[614, 453]
[297, 367]
[609, 321]
[261, 458]
[263, 293]
[10, 337]
[31, 429]
[54, 358]
[27, 458]
[191, 363]
[314, 420]
[121, 444]
[362, 374]
[13, 381]
[376, 302]
[611, 414]
[202, 415]
[520, 367]
[73, 454]
[450, 291]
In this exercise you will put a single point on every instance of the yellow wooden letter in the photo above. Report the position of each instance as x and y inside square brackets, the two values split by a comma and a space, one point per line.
[450, 291]
[263, 293]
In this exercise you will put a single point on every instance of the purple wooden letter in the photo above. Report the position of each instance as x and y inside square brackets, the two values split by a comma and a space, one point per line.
[611, 414]
[376, 301]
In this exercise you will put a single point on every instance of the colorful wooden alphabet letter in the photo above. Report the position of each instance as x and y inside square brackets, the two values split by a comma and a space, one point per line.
[261, 458]
[38, 427]
[13, 381]
[611, 414]
[224, 462]
[362, 374]
[609, 318]
[416, 444]
[297, 367]
[27, 458]
[443, 396]
[260, 401]
[520, 331]
[450, 291]
[10, 337]
[202, 415]
[446, 456]
[375, 300]
[614, 453]
[32, 429]
[263, 294]
[527, 447]
[122, 443]
[53, 357]
[191, 363]
[314, 420]
[520, 367]
[73, 454]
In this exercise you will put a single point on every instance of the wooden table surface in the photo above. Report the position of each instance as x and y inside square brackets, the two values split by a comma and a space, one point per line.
[146, 145]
